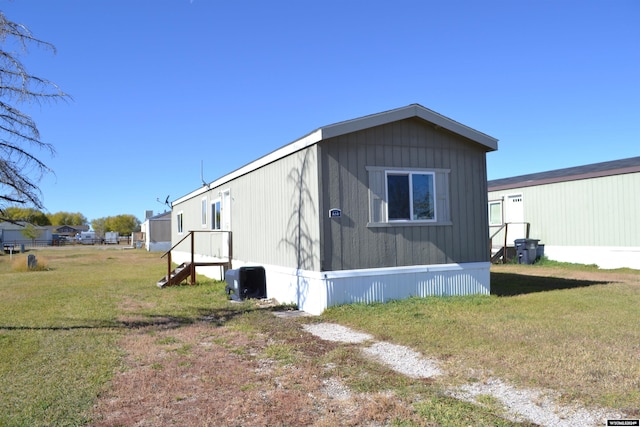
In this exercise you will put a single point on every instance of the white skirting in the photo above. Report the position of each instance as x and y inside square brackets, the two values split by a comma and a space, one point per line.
[314, 291]
[603, 256]
[158, 246]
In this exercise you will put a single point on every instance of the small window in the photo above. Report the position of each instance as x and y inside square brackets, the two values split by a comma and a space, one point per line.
[204, 212]
[179, 222]
[495, 212]
[215, 215]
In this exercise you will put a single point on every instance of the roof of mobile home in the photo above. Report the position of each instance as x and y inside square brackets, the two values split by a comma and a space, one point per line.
[595, 170]
[354, 125]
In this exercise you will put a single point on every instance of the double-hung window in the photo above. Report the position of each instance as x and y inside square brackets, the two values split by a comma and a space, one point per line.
[401, 196]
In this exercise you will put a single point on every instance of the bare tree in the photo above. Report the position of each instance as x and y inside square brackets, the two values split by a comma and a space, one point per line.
[20, 169]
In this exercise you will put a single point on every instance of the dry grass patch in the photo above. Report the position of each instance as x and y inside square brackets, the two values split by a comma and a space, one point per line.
[203, 375]
[19, 263]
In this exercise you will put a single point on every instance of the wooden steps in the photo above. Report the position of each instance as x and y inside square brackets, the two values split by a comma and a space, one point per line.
[188, 269]
[178, 274]
[497, 255]
[184, 271]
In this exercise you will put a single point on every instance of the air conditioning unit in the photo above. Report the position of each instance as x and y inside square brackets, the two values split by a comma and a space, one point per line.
[246, 282]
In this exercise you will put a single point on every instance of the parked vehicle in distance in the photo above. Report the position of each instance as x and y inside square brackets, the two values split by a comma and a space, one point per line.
[112, 238]
[88, 238]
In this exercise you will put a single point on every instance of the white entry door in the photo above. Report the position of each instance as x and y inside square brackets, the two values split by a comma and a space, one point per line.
[514, 216]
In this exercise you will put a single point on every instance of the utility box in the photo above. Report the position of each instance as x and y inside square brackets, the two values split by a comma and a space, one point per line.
[246, 282]
[526, 250]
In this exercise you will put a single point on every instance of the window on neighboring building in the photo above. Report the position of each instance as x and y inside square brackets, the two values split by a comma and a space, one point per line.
[179, 222]
[495, 212]
[215, 215]
[408, 196]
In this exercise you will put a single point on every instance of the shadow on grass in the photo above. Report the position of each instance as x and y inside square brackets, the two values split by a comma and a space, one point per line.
[216, 317]
[510, 284]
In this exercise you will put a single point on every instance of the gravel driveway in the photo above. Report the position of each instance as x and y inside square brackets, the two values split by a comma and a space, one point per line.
[520, 404]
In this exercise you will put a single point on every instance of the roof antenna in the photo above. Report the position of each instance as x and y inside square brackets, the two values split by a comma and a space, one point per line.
[204, 183]
[166, 201]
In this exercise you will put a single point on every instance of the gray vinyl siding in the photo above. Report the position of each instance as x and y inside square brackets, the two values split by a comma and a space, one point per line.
[274, 214]
[279, 209]
[348, 243]
[159, 231]
[589, 212]
[191, 220]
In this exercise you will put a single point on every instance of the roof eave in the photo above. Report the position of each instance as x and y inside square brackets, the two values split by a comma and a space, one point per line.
[349, 126]
[566, 178]
[413, 110]
[300, 144]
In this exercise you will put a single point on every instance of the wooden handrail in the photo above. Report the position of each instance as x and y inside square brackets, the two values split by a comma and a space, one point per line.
[192, 267]
[497, 231]
[174, 246]
[492, 236]
[505, 226]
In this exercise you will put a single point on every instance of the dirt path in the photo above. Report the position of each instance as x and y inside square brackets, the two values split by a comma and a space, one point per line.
[201, 375]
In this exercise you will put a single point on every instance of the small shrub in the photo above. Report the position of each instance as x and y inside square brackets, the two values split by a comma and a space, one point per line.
[19, 264]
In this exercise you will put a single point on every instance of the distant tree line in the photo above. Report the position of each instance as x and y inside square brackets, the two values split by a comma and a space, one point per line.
[37, 217]
[123, 224]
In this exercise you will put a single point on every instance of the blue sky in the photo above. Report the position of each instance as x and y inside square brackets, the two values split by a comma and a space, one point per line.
[160, 86]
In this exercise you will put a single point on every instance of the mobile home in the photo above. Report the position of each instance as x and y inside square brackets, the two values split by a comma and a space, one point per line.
[157, 232]
[376, 208]
[585, 214]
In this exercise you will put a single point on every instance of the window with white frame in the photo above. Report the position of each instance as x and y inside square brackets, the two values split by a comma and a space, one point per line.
[215, 215]
[408, 196]
[179, 222]
[495, 212]
[204, 212]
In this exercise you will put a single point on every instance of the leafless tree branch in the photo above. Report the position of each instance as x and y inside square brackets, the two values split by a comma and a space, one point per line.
[20, 169]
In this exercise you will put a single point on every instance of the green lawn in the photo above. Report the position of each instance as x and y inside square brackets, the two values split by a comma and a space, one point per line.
[580, 336]
[60, 330]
